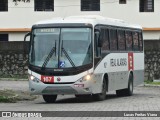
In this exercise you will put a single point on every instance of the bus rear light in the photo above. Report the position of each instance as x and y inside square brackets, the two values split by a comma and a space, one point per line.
[79, 85]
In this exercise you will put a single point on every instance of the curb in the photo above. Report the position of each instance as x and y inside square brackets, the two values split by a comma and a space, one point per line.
[149, 85]
[13, 79]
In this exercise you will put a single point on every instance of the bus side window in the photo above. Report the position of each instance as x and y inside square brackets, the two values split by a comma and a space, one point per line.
[121, 40]
[105, 45]
[129, 42]
[97, 50]
[113, 39]
[135, 41]
[140, 42]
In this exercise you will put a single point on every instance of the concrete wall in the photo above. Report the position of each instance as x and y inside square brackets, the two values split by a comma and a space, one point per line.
[152, 59]
[14, 59]
[24, 16]
[16, 36]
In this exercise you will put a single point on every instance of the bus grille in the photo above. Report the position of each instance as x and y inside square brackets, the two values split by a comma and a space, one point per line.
[59, 90]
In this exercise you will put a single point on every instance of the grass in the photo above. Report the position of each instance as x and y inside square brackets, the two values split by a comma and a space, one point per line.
[13, 77]
[151, 83]
[9, 96]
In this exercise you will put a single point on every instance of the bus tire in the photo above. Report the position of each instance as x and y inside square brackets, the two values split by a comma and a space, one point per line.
[49, 98]
[83, 96]
[101, 96]
[128, 91]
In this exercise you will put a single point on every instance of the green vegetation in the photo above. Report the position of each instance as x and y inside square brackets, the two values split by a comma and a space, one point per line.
[13, 77]
[9, 96]
[151, 83]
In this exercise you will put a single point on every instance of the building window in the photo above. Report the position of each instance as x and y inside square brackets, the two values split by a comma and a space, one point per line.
[90, 5]
[3, 5]
[146, 5]
[43, 5]
[3, 37]
[122, 1]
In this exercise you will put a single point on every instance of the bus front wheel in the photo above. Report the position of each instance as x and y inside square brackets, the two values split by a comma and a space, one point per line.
[101, 96]
[49, 98]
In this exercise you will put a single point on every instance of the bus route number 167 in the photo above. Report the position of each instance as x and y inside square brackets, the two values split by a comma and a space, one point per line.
[48, 79]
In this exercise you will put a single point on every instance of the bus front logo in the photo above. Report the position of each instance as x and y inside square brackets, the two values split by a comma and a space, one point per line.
[58, 79]
[62, 64]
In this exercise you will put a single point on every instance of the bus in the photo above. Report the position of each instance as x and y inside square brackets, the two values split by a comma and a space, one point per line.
[84, 56]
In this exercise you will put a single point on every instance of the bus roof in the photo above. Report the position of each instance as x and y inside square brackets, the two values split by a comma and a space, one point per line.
[90, 19]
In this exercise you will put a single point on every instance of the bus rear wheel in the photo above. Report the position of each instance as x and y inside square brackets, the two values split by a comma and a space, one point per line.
[101, 96]
[128, 91]
[49, 98]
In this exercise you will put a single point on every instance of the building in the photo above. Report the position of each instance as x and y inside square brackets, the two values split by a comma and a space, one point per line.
[17, 16]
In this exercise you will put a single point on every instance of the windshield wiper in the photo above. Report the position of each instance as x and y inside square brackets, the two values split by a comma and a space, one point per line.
[49, 56]
[70, 60]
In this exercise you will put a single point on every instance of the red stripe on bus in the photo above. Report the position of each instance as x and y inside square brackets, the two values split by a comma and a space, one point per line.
[130, 61]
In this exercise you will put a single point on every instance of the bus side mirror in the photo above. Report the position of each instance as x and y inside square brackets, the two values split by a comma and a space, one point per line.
[26, 46]
[28, 34]
[98, 39]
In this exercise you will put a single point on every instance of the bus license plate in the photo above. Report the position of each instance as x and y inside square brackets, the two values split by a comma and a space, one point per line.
[47, 79]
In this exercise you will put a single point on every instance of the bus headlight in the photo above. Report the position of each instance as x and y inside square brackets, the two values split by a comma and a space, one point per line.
[33, 78]
[86, 78]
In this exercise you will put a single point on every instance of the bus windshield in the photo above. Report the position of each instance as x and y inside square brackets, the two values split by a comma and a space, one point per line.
[60, 47]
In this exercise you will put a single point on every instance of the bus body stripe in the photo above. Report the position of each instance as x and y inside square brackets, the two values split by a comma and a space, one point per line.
[130, 61]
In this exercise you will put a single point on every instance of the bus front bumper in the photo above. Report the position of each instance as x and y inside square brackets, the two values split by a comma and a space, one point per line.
[40, 88]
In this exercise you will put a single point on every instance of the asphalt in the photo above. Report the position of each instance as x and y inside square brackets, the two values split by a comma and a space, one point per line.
[14, 85]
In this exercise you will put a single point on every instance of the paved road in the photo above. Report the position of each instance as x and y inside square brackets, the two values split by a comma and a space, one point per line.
[144, 99]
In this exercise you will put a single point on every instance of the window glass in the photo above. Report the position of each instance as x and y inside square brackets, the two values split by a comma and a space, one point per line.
[135, 41]
[44, 5]
[122, 1]
[90, 5]
[129, 43]
[113, 39]
[140, 42]
[146, 5]
[121, 40]
[71, 45]
[3, 5]
[105, 38]
[3, 37]
[97, 49]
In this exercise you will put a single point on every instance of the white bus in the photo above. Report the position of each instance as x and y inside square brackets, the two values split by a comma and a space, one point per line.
[85, 55]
